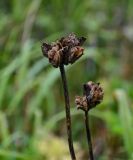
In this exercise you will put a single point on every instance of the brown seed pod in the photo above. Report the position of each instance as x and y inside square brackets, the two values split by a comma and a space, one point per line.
[71, 40]
[81, 103]
[75, 53]
[64, 51]
[93, 93]
[54, 57]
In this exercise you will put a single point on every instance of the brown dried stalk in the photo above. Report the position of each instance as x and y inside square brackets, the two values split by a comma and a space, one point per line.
[93, 95]
[68, 117]
[63, 52]
[88, 133]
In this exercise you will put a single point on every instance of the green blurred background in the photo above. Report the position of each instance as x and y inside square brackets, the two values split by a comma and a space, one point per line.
[32, 118]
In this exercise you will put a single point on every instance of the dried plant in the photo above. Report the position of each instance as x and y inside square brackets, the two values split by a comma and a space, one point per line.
[93, 95]
[63, 52]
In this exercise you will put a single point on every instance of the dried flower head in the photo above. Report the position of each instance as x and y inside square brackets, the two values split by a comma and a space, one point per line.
[93, 95]
[66, 50]
[71, 40]
[81, 103]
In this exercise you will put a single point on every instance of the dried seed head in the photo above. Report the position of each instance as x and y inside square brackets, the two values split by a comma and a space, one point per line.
[75, 53]
[81, 103]
[93, 93]
[71, 40]
[67, 50]
[54, 57]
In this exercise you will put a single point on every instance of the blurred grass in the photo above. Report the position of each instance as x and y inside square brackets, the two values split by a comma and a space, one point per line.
[31, 98]
[126, 120]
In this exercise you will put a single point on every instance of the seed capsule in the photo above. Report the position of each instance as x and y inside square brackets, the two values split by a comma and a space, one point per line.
[64, 51]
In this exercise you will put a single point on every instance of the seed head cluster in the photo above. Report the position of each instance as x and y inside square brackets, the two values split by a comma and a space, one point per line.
[64, 51]
[93, 95]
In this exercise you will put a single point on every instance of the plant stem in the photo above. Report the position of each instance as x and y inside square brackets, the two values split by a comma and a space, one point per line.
[68, 117]
[88, 136]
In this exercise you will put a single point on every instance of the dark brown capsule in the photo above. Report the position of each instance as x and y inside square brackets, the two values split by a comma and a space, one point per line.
[93, 93]
[81, 103]
[75, 53]
[71, 40]
[64, 51]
